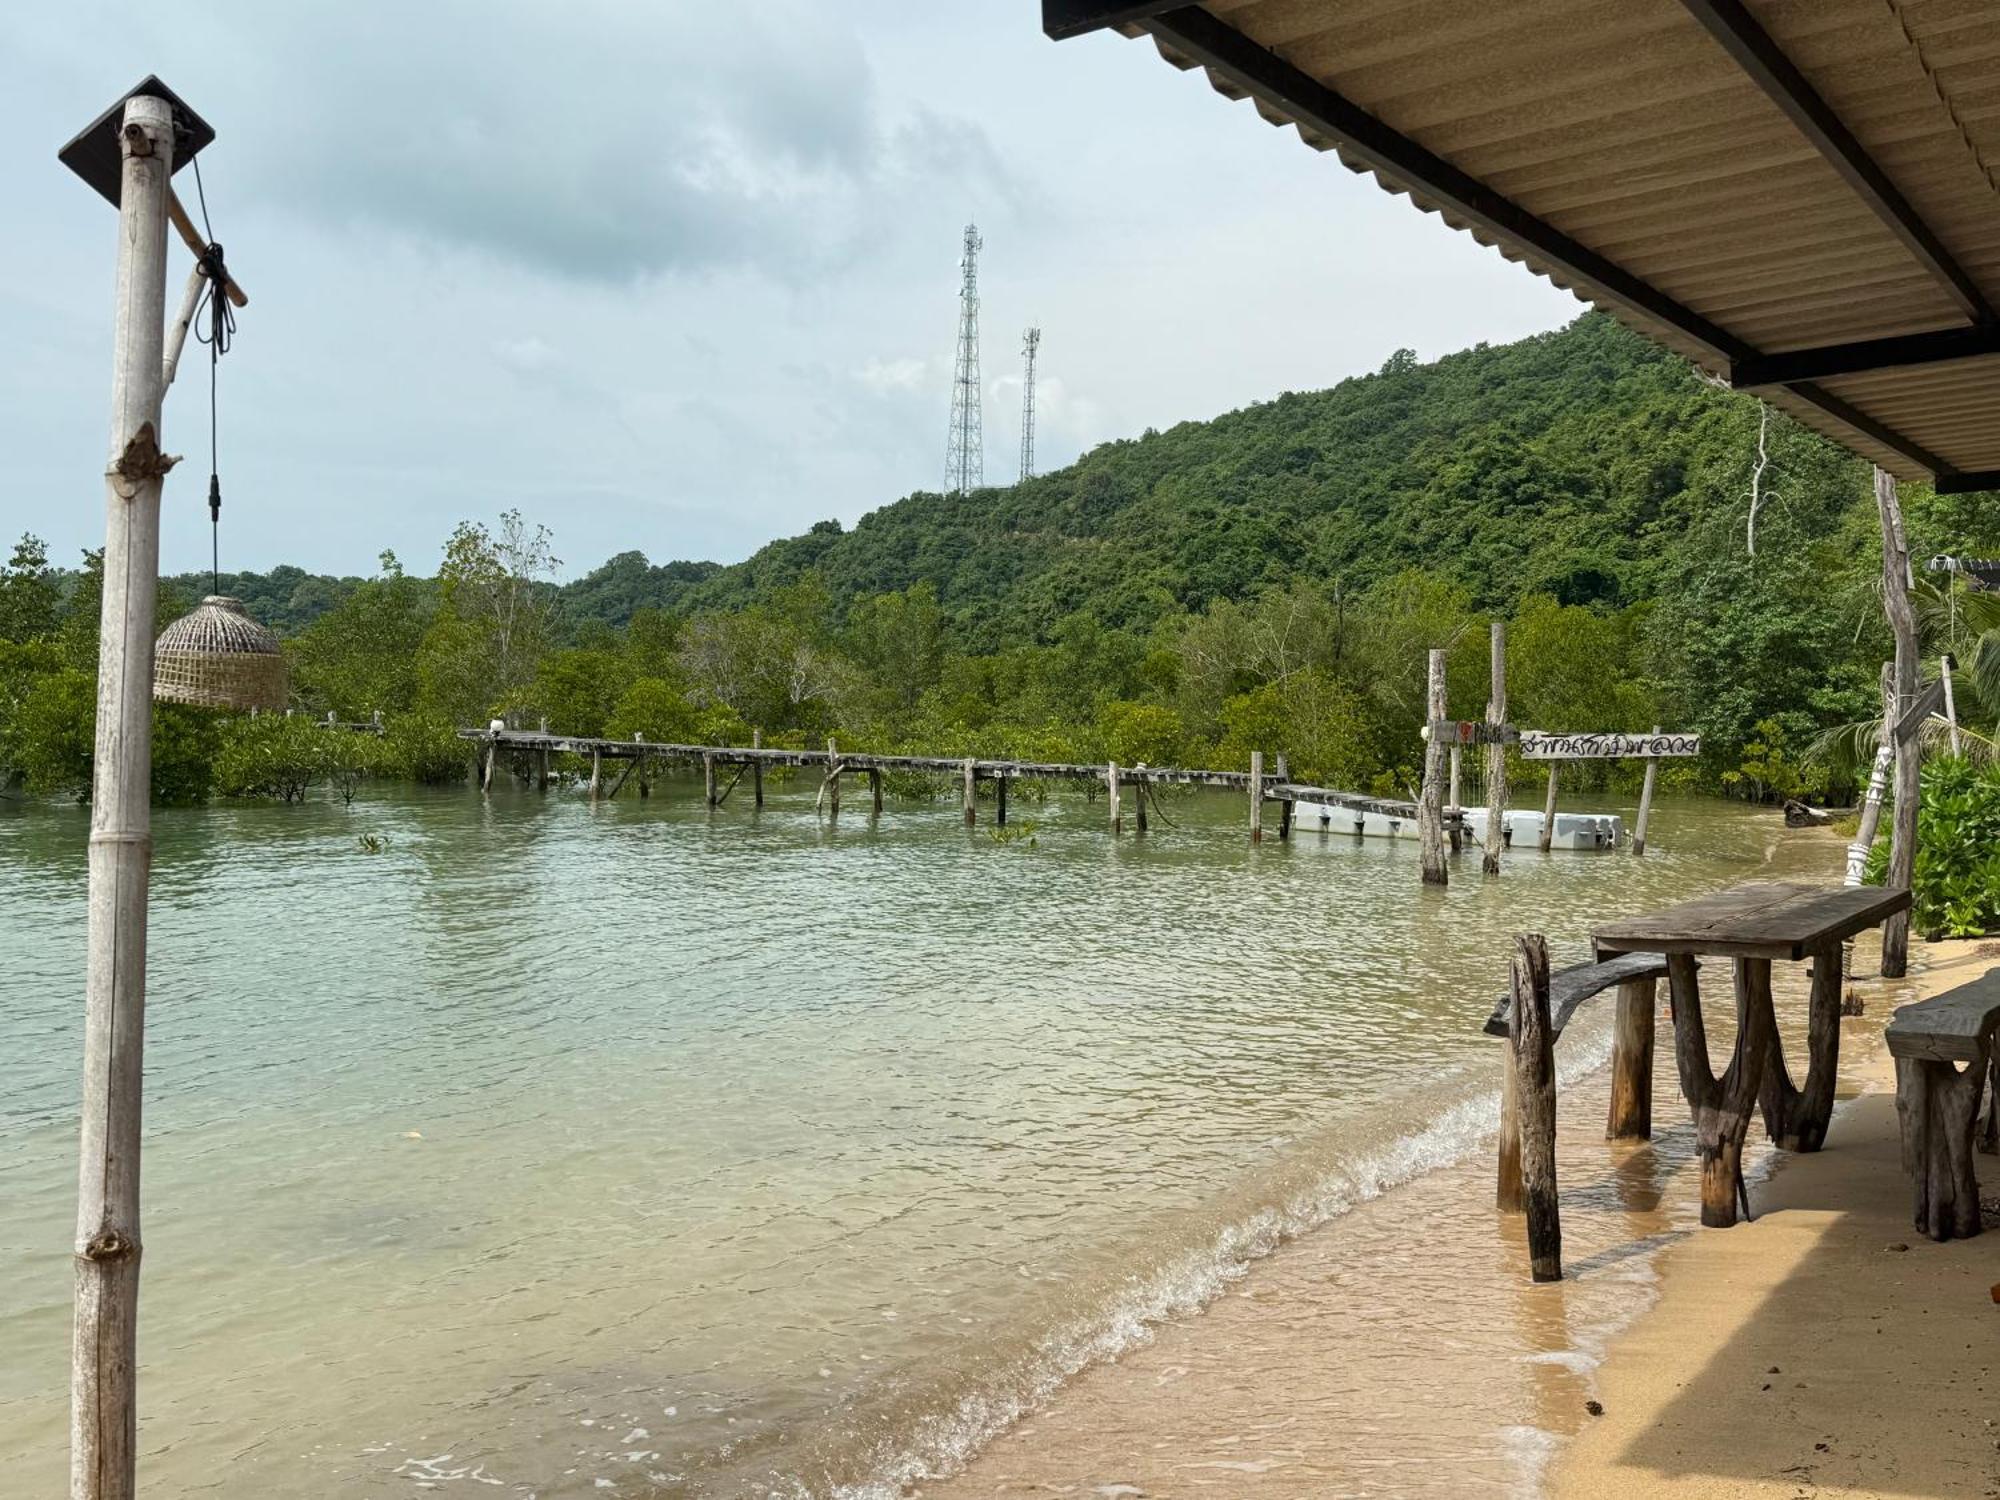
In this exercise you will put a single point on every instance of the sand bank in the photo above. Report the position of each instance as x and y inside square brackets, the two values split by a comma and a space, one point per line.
[1826, 1349]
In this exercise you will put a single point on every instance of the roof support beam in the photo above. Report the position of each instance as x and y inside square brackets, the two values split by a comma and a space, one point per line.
[1229, 54]
[1779, 77]
[1966, 483]
[1858, 358]
[1063, 19]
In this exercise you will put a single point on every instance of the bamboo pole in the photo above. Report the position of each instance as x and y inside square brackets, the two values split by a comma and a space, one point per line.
[1256, 796]
[1909, 750]
[1496, 757]
[104, 1348]
[1950, 703]
[1878, 783]
[1646, 800]
[1549, 809]
[1430, 804]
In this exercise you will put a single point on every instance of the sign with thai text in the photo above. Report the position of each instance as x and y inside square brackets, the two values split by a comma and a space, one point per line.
[1542, 744]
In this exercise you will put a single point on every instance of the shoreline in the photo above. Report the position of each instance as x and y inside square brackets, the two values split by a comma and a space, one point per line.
[1401, 1350]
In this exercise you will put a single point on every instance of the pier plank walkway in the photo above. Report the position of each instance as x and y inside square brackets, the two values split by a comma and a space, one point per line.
[1276, 788]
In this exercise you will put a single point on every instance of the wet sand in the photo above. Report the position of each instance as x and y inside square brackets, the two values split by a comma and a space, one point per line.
[1402, 1351]
[1828, 1348]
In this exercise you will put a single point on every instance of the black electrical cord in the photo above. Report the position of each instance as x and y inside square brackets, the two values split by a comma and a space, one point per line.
[221, 330]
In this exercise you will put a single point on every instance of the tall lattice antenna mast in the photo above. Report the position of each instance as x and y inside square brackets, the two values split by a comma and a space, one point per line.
[1030, 342]
[964, 465]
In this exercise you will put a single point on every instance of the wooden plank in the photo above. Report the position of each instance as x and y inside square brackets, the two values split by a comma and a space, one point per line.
[1542, 744]
[1569, 988]
[1761, 919]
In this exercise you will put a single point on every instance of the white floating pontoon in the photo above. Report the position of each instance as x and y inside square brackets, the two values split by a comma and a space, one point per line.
[1523, 828]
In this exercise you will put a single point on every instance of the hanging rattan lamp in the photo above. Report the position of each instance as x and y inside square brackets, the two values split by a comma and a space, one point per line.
[216, 656]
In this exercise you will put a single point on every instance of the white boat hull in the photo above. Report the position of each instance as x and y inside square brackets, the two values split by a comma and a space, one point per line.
[1522, 827]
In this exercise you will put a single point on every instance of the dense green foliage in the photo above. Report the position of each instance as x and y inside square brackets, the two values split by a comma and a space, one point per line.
[1955, 885]
[1268, 580]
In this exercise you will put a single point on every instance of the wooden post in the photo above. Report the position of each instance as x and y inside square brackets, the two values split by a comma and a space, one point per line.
[1430, 803]
[596, 770]
[1531, 1036]
[831, 786]
[1909, 751]
[1950, 703]
[971, 793]
[1507, 1185]
[1142, 793]
[708, 776]
[1256, 796]
[1496, 759]
[542, 763]
[104, 1346]
[486, 763]
[757, 767]
[1111, 783]
[1000, 801]
[1453, 806]
[1549, 809]
[1284, 803]
[874, 792]
[1631, 1115]
[645, 786]
[1646, 800]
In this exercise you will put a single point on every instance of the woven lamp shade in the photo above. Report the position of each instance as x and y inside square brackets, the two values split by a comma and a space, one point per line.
[216, 656]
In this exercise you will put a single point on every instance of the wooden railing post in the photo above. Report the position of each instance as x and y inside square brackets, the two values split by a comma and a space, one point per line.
[1909, 748]
[1549, 809]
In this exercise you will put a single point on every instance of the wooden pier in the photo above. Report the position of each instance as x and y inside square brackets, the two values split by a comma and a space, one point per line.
[536, 747]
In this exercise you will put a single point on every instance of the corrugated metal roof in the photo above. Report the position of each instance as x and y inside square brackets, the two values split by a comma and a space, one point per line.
[1628, 128]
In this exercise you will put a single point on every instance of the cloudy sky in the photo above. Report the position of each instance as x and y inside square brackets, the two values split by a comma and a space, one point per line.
[675, 276]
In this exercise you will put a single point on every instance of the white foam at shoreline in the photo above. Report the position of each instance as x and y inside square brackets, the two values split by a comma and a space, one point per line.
[943, 1444]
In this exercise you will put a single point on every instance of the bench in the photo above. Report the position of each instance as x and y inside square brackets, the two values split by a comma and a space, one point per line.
[1569, 988]
[1938, 1101]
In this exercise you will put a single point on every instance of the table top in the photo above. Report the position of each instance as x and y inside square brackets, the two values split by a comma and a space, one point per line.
[1763, 919]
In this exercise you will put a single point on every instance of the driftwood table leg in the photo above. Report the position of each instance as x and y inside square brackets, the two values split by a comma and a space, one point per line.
[1797, 1118]
[1939, 1105]
[1631, 1116]
[1721, 1106]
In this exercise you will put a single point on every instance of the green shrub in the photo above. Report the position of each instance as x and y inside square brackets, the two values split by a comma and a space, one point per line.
[424, 747]
[1955, 888]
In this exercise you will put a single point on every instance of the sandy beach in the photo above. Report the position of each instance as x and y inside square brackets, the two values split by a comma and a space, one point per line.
[1823, 1349]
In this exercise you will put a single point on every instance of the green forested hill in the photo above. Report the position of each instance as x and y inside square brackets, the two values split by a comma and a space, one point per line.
[1574, 464]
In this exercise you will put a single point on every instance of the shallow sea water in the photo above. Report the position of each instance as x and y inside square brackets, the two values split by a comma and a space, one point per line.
[558, 1150]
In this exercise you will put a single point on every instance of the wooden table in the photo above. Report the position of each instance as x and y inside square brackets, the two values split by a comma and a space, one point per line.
[1754, 925]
